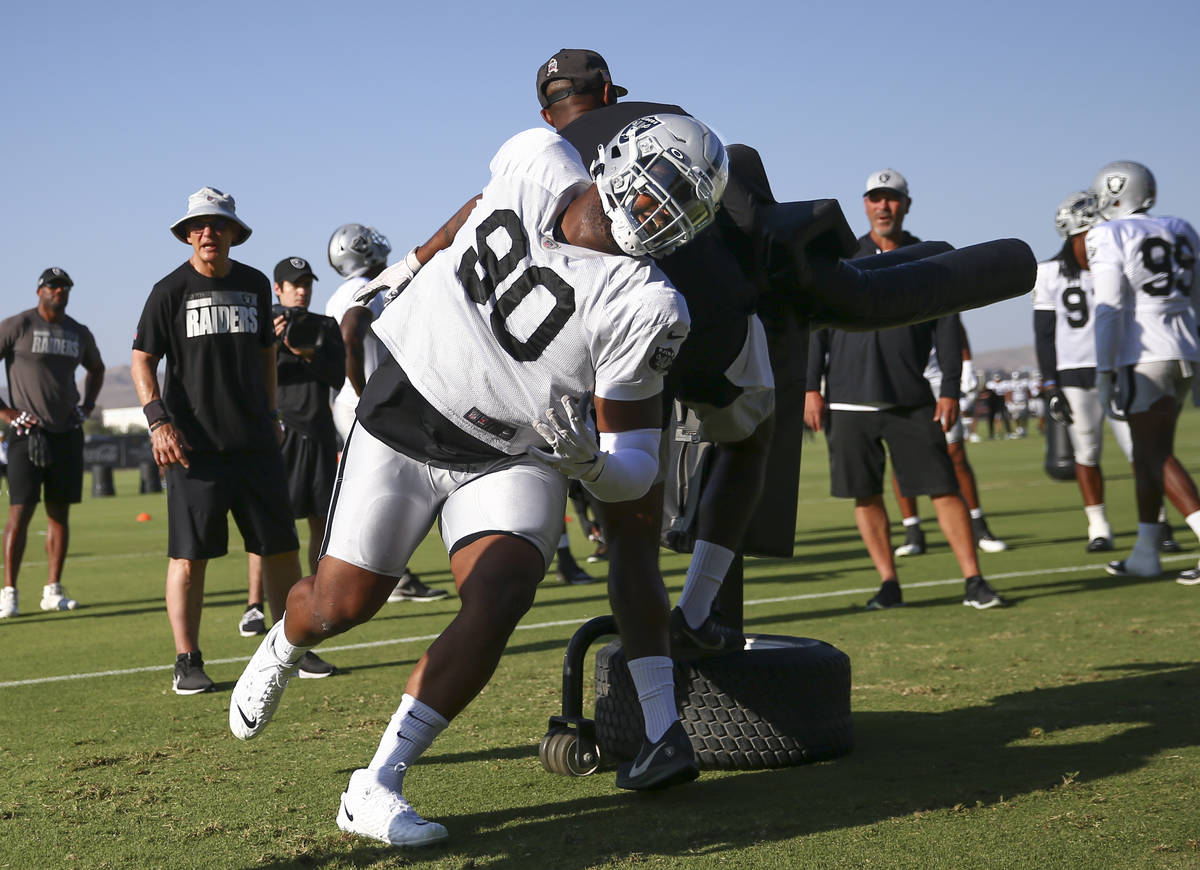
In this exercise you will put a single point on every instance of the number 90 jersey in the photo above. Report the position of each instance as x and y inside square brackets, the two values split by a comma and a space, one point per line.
[499, 326]
[1143, 268]
[1070, 298]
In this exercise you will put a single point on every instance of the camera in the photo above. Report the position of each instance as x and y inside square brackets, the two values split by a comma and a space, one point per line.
[303, 329]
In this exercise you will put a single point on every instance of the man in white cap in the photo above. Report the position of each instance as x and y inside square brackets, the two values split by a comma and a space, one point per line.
[875, 392]
[213, 427]
[41, 348]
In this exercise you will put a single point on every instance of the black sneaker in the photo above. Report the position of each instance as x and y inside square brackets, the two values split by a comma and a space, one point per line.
[914, 542]
[313, 667]
[601, 554]
[254, 621]
[710, 639]
[1166, 541]
[568, 570]
[888, 596]
[666, 762]
[984, 539]
[1100, 545]
[410, 588]
[980, 595]
[190, 678]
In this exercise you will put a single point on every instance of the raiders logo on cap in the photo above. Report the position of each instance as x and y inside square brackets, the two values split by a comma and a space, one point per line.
[298, 263]
[552, 67]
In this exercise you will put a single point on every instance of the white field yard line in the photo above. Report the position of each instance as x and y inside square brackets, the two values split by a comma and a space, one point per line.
[537, 626]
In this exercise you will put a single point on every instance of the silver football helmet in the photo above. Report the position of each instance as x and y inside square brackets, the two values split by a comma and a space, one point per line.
[660, 180]
[355, 249]
[1123, 188]
[1076, 214]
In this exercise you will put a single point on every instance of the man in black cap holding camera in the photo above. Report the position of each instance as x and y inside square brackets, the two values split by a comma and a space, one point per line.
[213, 427]
[41, 349]
[310, 361]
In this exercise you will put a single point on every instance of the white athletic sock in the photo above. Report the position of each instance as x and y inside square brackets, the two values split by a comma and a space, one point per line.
[1193, 521]
[1098, 525]
[911, 521]
[284, 649]
[654, 679]
[411, 730]
[1162, 514]
[710, 563]
[976, 513]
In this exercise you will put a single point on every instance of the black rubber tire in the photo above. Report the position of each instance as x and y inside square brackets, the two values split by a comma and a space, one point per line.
[782, 701]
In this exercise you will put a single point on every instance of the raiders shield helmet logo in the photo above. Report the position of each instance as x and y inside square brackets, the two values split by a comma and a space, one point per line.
[1115, 184]
[661, 359]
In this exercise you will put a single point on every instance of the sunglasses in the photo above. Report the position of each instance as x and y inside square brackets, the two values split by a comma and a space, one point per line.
[216, 224]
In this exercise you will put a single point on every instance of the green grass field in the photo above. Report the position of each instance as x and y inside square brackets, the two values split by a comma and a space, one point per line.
[1063, 731]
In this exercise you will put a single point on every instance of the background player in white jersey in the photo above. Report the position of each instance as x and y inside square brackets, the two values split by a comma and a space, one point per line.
[1064, 334]
[532, 306]
[1143, 269]
[358, 253]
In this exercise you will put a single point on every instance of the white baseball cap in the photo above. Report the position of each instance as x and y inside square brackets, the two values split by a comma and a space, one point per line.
[887, 179]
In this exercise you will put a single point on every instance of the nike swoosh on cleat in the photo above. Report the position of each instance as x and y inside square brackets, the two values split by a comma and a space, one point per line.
[639, 769]
[345, 809]
[250, 723]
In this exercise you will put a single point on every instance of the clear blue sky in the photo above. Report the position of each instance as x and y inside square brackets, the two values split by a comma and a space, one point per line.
[317, 114]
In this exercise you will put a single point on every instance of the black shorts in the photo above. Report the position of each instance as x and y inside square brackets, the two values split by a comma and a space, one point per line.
[253, 486]
[311, 469]
[915, 441]
[62, 479]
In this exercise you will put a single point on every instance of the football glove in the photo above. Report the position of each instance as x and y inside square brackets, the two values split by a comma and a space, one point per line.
[24, 423]
[574, 445]
[1111, 399]
[39, 448]
[969, 382]
[1058, 407]
[391, 281]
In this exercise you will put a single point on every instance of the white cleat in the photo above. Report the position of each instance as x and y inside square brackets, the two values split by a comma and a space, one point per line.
[8, 602]
[53, 598]
[259, 689]
[371, 809]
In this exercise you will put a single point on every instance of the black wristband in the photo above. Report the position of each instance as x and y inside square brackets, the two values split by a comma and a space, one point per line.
[156, 412]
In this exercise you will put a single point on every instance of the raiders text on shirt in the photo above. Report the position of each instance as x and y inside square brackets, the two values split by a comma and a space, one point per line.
[58, 345]
[221, 311]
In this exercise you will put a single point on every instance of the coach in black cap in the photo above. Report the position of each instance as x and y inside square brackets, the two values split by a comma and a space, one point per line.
[579, 71]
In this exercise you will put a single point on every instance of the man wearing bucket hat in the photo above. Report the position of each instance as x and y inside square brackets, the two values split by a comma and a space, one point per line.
[41, 349]
[213, 425]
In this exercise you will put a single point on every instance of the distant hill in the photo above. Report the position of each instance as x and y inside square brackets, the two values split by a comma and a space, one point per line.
[1013, 359]
[118, 391]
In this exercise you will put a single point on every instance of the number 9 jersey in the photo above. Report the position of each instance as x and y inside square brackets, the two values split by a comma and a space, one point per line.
[509, 318]
[1070, 298]
[1143, 269]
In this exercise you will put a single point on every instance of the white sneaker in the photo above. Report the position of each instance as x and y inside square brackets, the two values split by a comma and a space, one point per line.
[8, 602]
[53, 598]
[371, 809]
[259, 689]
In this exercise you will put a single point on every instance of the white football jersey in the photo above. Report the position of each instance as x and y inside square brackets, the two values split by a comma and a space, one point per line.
[1143, 268]
[339, 303]
[495, 329]
[1072, 301]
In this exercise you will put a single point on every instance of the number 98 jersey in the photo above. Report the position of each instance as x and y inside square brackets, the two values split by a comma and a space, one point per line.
[1143, 268]
[500, 325]
[1070, 298]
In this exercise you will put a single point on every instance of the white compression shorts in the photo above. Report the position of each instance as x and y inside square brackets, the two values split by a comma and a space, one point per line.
[384, 503]
[1087, 430]
[1153, 380]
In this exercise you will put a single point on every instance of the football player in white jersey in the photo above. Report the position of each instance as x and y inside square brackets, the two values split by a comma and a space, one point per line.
[1064, 334]
[541, 298]
[1143, 269]
[359, 253]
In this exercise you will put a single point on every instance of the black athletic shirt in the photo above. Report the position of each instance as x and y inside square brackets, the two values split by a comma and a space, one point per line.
[302, 388]
[212, 332]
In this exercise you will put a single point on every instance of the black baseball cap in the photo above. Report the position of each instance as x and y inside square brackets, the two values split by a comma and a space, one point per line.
[293, 269]
[55, 277]
[584, 68]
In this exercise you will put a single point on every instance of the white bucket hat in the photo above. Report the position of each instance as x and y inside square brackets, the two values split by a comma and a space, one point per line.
[210, 201]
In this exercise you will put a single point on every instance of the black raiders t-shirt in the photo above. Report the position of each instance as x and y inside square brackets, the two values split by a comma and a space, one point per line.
[212, 332]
